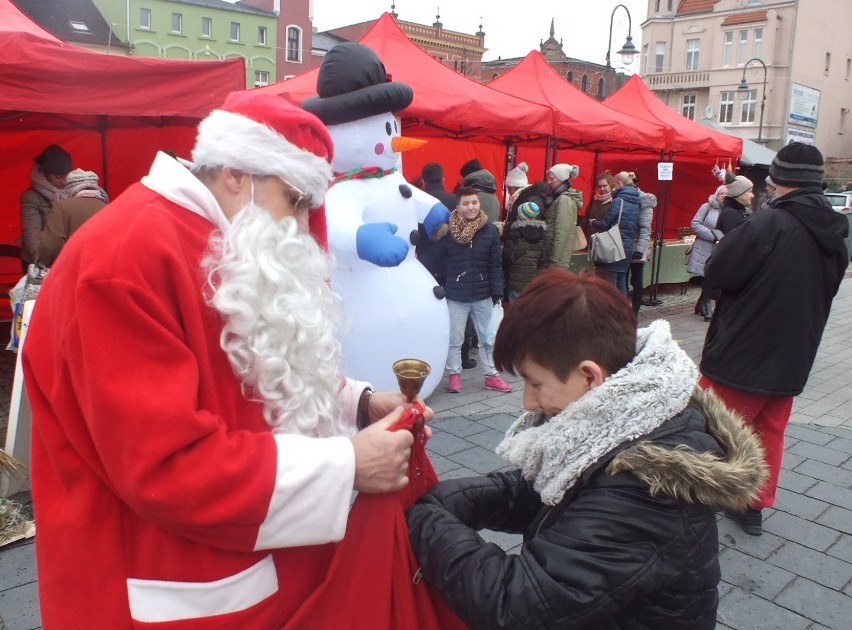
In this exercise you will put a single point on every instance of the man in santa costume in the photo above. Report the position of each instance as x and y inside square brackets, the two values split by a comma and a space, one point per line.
[194, 444]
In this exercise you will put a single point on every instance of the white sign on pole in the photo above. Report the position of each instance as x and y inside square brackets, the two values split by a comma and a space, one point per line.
[804, 106]
[664, 171]
[800, 135]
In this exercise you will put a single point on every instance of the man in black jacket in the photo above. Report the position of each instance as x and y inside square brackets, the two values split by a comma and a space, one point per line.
[778, 272]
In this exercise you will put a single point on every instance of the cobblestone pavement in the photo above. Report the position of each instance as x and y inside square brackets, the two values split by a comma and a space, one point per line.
[797, 575]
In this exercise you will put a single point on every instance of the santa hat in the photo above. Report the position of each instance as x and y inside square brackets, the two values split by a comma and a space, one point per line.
[517, 177]
[564, 172]
[262, 134]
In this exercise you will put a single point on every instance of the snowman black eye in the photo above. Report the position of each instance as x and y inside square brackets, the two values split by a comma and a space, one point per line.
[388, 128]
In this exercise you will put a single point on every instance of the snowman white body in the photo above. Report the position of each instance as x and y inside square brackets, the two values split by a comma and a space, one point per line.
[390, 312]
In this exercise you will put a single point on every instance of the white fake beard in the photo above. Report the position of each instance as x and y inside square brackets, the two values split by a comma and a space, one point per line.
[270, 283]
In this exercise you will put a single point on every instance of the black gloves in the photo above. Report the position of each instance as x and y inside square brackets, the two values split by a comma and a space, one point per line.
[496, 298]
[637, 255]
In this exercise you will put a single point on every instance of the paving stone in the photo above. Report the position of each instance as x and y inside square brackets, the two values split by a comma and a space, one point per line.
[458, 473]
[446, 444]
[489, 439]
[791, 460]
[753, 575]
[730, 535]
[816, 602]
[479, 459]
[794, 481]
[825, 472]
[819, 453]
[808, 435]
[814, 565]
[799, 505]
[842, 548]
[501, 539]
[811, 535]
[19, 607]
[442, 465]
[744, 611]
[460, 427]
[841, 444]
[471, 408]
[501, 422]
[17, 567]
[831, 493]
[838, 518]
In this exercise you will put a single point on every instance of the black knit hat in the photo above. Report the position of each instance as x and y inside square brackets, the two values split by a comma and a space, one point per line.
[798, 165]
[352, 84]
[54, 160]
[470, 167]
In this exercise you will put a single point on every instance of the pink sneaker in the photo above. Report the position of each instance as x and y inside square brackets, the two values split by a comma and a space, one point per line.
[497, 383]
[454, 385]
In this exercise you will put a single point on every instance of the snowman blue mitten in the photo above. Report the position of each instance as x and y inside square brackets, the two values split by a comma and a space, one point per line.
[378, 244]
[437, 215]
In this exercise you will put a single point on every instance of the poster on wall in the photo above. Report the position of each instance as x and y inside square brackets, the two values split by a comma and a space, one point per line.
[800, 135]
[804, 106]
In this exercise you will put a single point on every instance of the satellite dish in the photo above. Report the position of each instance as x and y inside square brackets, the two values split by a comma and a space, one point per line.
[708, 111]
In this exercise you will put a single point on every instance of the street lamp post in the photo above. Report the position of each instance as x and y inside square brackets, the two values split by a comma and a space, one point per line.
[744, 88]
[628, 50]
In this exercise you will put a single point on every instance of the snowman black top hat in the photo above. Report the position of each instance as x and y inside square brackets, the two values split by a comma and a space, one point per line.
[352, 84]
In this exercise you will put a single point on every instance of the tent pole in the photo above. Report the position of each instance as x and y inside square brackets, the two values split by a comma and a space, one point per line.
[104, 175]
[546, 157]
[555, 158]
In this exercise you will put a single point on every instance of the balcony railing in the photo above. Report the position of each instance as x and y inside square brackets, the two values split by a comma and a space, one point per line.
[677, 79]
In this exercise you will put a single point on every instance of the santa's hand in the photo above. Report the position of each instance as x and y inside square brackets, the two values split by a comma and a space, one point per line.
[383, 403]
[437, 215]
[381, 456]
[377, 243]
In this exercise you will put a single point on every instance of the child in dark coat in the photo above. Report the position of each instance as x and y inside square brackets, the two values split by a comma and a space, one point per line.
[524, 252]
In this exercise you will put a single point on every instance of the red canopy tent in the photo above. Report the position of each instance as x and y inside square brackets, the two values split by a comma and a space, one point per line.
[112, 113]
[447, 107]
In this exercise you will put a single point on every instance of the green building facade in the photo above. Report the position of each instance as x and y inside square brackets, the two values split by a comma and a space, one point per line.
[196, 30]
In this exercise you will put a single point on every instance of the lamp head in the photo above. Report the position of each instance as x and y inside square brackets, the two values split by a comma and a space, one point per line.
[743, 84]
[628, 51]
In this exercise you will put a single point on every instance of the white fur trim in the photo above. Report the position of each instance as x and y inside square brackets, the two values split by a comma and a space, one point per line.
[162, 601]
[313, 488]
[236, 141]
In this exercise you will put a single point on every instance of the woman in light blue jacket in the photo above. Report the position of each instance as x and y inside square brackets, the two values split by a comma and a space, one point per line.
[703, 224]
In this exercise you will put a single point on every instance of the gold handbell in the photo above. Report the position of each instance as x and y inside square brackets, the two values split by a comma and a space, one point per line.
[410, 374]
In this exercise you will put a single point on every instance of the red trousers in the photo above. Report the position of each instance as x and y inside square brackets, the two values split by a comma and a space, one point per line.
[768, 416]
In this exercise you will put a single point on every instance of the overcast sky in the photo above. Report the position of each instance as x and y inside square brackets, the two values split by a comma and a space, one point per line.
[513, 28]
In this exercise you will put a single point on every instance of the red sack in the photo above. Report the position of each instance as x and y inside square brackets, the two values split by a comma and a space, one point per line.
[373, 581]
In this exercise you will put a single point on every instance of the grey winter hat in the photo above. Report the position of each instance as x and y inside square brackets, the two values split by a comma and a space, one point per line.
[798, 165]
[739, 186]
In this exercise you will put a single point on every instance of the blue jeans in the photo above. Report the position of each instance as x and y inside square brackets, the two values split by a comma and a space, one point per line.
[480, 312]
[618, 279]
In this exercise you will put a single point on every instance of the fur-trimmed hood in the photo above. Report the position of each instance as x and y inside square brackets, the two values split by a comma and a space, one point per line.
[532, 230]
[617, 421]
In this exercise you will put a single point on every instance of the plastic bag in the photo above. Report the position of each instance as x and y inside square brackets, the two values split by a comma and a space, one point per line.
[494, 323]
[27, 288]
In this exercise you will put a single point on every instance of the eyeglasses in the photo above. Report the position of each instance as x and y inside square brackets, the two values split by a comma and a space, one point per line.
[299, 199]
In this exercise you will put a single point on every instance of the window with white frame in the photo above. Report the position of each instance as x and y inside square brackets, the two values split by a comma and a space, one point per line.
[659, 56]
[749, 105]
[261, 78]
[79, 27]
[644, 58]
[145, 18]
[727, 48]
[688, 107]
[726, 107]
[206, 27]
[177, 22]
[692, 48]
[294, 44]
[758, 43]
[235, 31]
[261, 36]
[742, 53]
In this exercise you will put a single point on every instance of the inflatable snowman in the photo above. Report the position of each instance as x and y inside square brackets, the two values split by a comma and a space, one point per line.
[393, 307]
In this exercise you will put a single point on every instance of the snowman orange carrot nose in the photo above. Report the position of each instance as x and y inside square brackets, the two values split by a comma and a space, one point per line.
[401, 143]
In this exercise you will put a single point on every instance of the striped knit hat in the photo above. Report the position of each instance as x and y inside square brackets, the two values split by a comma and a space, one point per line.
[528, 210]
[798, 165]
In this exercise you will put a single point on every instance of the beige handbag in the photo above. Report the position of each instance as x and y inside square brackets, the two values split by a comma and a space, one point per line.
[580, 242]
